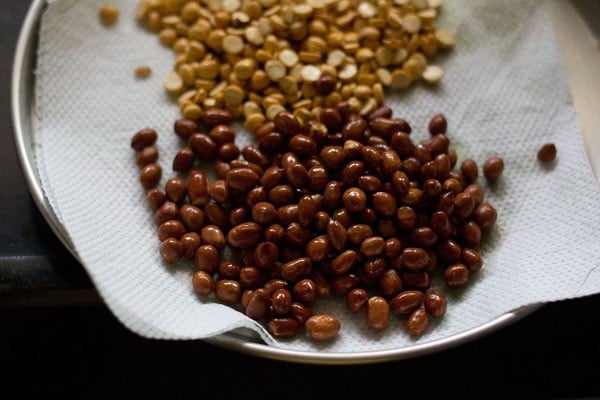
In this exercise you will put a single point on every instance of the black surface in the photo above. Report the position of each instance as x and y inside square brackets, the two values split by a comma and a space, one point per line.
[74, 349]
[31, 256]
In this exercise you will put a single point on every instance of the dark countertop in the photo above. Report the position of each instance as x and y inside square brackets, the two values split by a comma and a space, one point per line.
[57, 337]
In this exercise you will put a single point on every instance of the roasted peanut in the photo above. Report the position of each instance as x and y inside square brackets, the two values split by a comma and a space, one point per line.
[322, 327]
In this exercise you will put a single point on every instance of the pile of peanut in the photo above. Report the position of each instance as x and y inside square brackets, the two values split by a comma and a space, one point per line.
[255, 58]
[340, 206]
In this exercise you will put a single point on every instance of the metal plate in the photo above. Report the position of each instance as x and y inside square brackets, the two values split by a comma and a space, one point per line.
[23, 107]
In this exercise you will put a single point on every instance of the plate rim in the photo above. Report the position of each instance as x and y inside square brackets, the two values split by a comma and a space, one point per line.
[21, 105]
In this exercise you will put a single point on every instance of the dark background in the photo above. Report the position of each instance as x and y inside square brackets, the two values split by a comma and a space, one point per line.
[57, 337]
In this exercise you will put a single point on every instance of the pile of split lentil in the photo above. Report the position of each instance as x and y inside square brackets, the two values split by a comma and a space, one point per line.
[255, 58]
[336, 198]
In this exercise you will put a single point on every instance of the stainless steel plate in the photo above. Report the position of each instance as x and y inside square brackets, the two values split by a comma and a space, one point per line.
[243, 342]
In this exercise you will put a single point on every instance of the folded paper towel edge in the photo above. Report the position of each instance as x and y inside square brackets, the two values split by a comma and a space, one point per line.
[134, 322]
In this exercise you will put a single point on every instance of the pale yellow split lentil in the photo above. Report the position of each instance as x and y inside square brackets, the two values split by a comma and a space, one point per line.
[258, 57]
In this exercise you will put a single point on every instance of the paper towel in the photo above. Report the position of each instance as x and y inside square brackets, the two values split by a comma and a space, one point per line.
[504, 93]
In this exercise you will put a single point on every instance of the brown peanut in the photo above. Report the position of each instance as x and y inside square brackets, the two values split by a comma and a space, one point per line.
[322, 327]
[417, 322]
[244, 235]
[377, 312]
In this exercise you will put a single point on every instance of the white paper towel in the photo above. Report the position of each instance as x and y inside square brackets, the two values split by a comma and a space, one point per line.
[504, 93]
